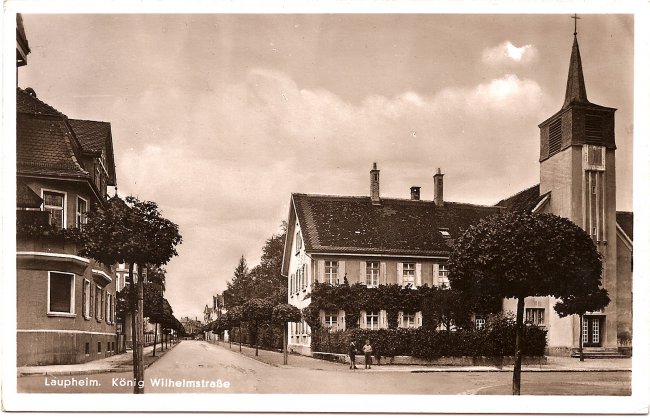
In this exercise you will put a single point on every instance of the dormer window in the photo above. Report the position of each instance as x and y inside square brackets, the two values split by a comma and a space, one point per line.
[444, 232]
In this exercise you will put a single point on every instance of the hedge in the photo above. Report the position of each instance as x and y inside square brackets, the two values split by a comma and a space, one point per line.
[496, 339]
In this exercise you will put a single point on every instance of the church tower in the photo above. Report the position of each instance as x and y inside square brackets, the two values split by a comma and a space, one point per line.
[578, 168]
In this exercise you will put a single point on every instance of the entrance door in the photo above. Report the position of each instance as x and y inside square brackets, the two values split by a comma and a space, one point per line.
[591, 335]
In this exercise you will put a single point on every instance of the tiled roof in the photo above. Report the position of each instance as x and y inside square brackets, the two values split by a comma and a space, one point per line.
[397, 226]
[27, 103]
[626, 221]
[45, 146]
[524, 201]
[91, 134]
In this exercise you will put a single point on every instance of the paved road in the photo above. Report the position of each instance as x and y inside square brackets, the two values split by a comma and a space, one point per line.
[201, 367]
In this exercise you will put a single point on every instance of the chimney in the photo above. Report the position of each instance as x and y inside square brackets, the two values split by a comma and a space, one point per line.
[415, 193]
[374, 185]
[437, 188]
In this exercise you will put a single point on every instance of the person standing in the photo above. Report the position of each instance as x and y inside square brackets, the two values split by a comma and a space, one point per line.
[352, 351]
[367, 352]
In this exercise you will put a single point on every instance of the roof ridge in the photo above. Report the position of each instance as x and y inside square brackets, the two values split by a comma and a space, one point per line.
[89, 120]
[517, 194]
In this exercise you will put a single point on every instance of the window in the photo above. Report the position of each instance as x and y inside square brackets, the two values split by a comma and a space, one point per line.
[594, 127]
[60, 293]
[408, 274]
[54, 202]
[408, 321]
[444, 232]
[372, 320]
[98, 303]
[292, 284]
[480, 322]
[82, 208]
[99, 347]
[86, 299]
[555, 137]
[443, 275]
[372, 273]
[98, 177]
[331, 319]
[108, 308]
[534, 316]
[332, 272]
[87, 349]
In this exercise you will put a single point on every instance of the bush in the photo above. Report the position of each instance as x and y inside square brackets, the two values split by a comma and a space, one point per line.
[496, 339]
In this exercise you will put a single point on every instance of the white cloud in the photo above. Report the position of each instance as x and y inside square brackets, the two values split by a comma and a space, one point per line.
[508, 53]
[225, 174]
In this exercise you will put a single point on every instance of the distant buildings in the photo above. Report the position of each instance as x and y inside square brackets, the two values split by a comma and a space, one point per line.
[191, 326]
[376, 240]
[65, 303]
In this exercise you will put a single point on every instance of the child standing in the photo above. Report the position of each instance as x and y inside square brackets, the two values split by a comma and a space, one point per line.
[352, 351]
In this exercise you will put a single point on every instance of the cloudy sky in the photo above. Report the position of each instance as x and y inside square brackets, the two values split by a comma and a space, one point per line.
[218, 118]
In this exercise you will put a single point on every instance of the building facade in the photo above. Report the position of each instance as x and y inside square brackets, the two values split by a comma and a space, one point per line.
[373, 240]
[65, 303]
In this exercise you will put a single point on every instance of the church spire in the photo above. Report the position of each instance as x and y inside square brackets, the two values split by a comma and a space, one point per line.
[575, 85]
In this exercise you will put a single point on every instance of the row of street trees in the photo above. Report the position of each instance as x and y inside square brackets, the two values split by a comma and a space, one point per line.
[132, 232]
[511, 255]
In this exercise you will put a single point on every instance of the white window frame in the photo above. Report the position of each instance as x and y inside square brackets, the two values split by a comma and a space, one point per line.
[443, 275]
[86, 302]
[409, 320]
[535, 316]
[99, 306]
[331, 320]
[372, 320]
[81, 218]
[408, 279]
[372, 279]
[480, 322]
[331, 272]
[64, 220]
[70, 313]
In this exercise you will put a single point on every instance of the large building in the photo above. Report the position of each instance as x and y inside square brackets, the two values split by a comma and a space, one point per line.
[375, 240]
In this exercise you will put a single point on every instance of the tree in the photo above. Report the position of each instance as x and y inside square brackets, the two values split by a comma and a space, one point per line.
[283, 314]
[240, 289]
[235, 316]
[255, 311]
[517, 255]
[132, 232]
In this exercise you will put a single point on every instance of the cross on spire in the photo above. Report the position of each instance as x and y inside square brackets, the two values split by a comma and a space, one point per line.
[575, 24]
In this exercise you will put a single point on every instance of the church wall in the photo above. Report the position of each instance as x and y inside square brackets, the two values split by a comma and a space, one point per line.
[562, 175]
[624, 294]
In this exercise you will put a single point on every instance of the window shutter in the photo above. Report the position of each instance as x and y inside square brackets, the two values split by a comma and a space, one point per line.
[382, 273]
[362, 272]
[321, 313]
[341, 320]
[418, 274]
[83, 299]
[400, 319]
[383, 322]
[306, 273]
[341, 272]
[92, 301]
[436, 281]
[321, 271]
[418, 318]
[362, 319]
[400, 274]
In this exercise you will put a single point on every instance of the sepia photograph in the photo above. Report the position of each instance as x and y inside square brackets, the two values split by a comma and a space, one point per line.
[411, 206]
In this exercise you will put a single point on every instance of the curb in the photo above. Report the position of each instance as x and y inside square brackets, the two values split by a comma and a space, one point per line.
[118, 369]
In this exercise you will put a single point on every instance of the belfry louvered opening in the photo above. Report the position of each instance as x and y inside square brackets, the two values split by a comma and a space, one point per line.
[593, 128]
[555, 137]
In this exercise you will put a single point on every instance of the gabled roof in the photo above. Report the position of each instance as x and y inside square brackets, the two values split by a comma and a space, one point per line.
[46, 147]
[626, 221]
[342, 224]
[92, 135]
[524, 201]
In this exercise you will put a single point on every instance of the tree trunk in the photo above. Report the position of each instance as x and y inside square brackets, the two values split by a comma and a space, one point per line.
[582, 354]
[516, 376]
[155, 335]
[138, 368]
[133, 305]
[257, 334]
[285, 339]
[240, 338]
[230, 335]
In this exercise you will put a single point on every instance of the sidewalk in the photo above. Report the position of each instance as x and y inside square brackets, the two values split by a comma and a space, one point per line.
[114, 364]
[555, 364]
